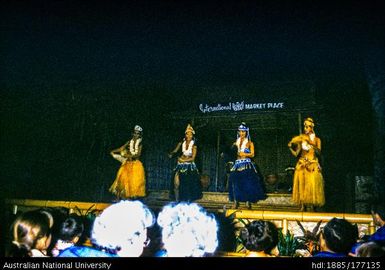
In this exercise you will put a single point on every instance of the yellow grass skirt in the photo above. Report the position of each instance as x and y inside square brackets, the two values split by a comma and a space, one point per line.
[130, 180]
[308, 183]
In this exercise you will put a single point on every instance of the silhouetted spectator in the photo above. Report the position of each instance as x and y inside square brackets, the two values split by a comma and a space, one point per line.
[260, 238]
[70, 232]
[187, 230]
[227, 241]
[379, 220]
[337, 238]
[59, 214]
[31, 234]
[370, 249]
[119, 231]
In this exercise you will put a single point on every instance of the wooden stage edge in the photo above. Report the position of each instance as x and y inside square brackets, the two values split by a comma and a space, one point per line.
[277, 207]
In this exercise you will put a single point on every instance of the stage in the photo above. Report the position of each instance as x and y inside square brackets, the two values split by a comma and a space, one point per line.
[219, 200]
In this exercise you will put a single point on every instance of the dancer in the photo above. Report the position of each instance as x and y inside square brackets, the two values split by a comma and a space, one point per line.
[245, 182]
[185, 182]
[130, 182]
[308, 183]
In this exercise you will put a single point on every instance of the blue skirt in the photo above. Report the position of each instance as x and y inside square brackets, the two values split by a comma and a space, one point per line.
[245, 183]
[190, 186]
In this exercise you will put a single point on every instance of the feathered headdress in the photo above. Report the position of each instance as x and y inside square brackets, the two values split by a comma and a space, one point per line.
[244, 127]
[189, 129]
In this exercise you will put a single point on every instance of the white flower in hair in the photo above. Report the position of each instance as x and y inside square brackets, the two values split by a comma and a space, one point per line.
[138, 128]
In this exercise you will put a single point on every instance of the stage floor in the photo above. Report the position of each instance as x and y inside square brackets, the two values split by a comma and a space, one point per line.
[220, 200]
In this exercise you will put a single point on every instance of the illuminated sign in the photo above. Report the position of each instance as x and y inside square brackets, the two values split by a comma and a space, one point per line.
[240, 106]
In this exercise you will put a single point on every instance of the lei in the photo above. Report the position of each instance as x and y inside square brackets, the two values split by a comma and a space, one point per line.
[187, 151]
[242, 147]
[305, 145]
[134, 147]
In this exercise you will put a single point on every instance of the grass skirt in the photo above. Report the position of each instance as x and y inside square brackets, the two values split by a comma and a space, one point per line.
[308, 183]
[130, 180]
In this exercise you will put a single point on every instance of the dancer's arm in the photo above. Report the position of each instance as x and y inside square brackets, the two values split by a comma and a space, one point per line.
[249, 154]
[118, 150]
[295, 141]
[176, 149]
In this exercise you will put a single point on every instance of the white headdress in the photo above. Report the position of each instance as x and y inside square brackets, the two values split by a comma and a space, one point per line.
[244, 127]
[138, 128]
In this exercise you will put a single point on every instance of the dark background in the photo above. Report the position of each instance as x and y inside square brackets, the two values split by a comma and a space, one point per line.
[77, 76]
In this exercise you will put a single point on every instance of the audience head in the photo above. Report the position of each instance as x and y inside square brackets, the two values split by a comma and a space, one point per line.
[122, 228]
[378, 216]
[69, 232]
[370, 249]
[59, 214]
[260, 235]
[71, 228]
[338, 235]
[227, 229]
[31, 230]
[187, 230]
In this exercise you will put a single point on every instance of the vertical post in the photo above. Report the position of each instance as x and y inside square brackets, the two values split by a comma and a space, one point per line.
[217, 163]
[285, 226]
[372, 228]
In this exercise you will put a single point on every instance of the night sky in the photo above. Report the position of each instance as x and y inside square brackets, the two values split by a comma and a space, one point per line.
[75, 76]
